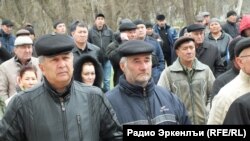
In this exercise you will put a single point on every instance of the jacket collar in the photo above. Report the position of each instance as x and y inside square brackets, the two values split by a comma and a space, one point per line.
[176, 66]
[220, 38]
[135, 90]
[54, 94]
[244, 76]
[103, 28]
[18, 62]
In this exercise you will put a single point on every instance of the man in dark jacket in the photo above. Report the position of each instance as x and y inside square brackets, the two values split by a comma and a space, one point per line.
[157, 55]
[4, 54]
[205, 52]
[230, 27]
[101, 35]
[79, 32]
[6, 37]
[136, 99]
[168, 36]
[59, 108]
[127, 32]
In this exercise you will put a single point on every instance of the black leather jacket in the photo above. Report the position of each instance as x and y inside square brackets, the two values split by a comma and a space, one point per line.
[40, 114]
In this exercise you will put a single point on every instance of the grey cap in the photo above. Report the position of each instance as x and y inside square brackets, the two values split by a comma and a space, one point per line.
[22, 32]
[127, 26]
[23, 40]
[199, 18]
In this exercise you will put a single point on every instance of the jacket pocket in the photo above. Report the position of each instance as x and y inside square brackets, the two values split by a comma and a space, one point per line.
[78, 120]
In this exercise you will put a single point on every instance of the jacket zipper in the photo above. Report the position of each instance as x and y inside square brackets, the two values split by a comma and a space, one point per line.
[100, 34]
[78, 119]
[65, 128]
[147, 106]
[192, 97]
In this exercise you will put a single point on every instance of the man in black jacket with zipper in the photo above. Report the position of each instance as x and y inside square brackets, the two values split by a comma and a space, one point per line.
[59, 109]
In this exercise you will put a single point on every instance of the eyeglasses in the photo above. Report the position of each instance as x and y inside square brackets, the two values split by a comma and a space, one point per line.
[244, 56]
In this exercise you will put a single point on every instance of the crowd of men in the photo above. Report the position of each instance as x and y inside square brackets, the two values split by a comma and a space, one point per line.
[198, 76]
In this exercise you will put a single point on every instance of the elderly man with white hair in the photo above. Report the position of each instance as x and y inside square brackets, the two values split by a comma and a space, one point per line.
[9, 69]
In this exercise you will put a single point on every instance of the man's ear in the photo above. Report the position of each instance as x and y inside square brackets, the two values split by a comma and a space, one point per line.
[41, 68]
[238, 60]
[122, 66]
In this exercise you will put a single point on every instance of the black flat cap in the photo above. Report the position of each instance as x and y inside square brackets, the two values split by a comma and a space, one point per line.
[138, 21]
[160, 17]
[7, 22]
[241, 45]
[53, 44]
[134, 47]
[195, 27]
[182, 40]
[127, 26]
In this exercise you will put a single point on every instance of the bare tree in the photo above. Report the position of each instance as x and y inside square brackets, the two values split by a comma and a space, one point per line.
[188, 11]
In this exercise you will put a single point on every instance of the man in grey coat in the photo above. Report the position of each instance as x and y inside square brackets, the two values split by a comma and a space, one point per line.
[190, 80]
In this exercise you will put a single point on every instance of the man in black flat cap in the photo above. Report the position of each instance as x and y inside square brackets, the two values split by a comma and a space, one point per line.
[206, 52]
[190, 80]
[6, 37]
[59, 108]
[127, 32]
[168, 36]
[136, 91]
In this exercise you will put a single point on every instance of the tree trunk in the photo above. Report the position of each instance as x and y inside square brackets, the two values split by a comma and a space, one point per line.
[188, 11]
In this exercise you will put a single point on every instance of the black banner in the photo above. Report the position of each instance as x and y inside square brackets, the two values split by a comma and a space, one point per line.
[196, 132]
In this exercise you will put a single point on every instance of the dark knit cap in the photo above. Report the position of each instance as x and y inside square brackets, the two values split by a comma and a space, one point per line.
[127, 26]
[31, 30]
[195, 27]
[160, 17]
[57, 23]
[230, 13]
[232, 46]
[53, 44]
[99, 15]
[148, 24]
[182, 40]
[134, 47]
[7, 22]
[241, 45]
